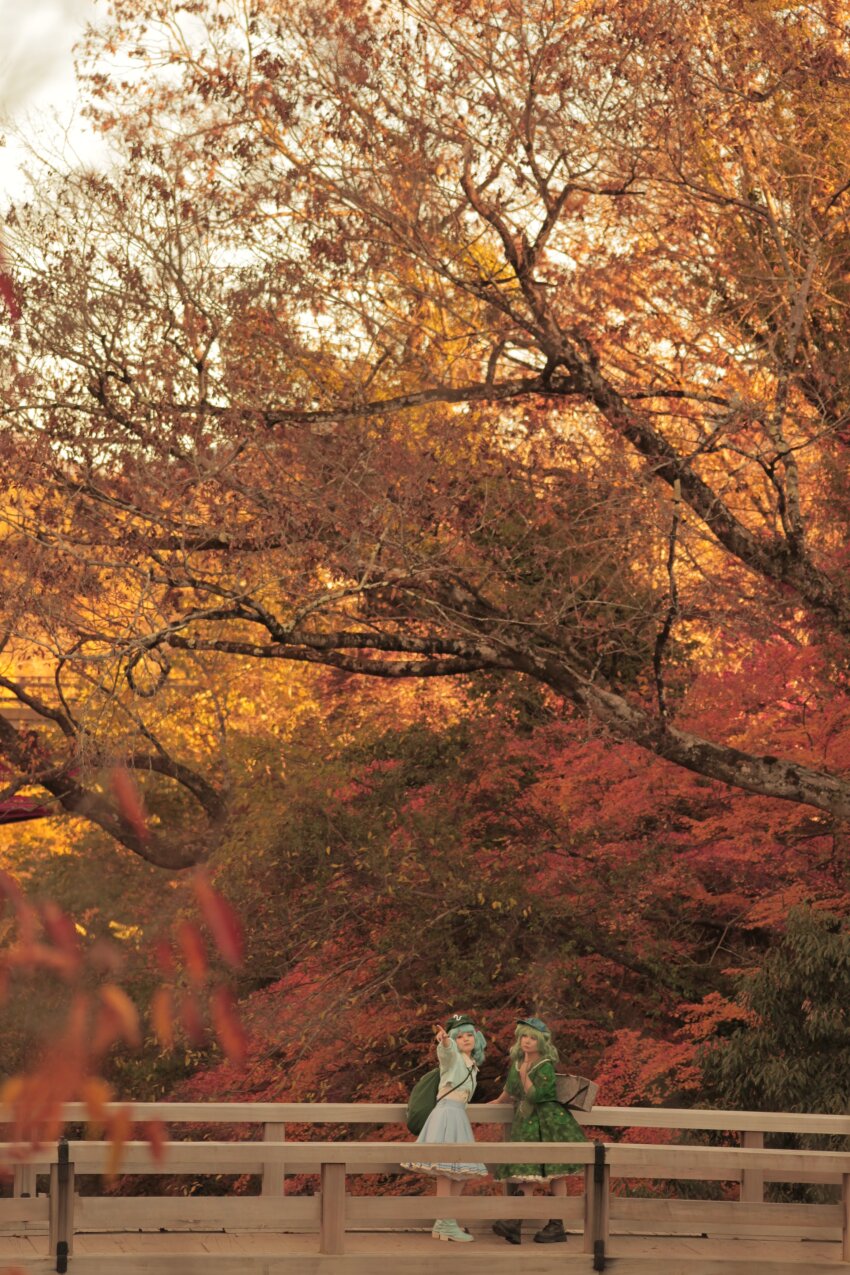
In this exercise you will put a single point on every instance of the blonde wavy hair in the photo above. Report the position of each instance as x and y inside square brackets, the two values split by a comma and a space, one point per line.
[548, 1052]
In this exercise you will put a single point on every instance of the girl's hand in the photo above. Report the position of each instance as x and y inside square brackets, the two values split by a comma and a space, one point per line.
[441, 1034]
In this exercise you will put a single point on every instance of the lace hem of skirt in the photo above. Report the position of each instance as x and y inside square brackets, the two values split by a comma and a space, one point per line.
[448, 1170]
[535, 1177]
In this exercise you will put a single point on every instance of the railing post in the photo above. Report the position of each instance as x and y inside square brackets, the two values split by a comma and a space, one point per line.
[61, 1225]
[332, 1214]
[597, 1182]
[587, 1234]
[752, 1180]
[845, 1220]
[274, 1173]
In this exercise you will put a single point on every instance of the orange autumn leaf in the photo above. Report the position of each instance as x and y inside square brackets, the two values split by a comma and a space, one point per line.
[105, 957]
[76, 1026]
[228, 1027]
[40, 956]
[164, 956]
[11, 1090]
[130, 802]
[27, 919]
[60, 928]
[221, 918]
[9, 889]
[118, 1129]
[190, 1017]
[162, 1016]
[96, 1093]
[106, 1031]
[194, 952]
[157, 1136]
[125, 1012]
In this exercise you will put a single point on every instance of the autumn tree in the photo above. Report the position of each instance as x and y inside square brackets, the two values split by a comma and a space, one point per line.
[423, 340]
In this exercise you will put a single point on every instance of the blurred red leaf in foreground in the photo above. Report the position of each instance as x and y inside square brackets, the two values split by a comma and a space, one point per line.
[130, 802]
[194, 952]
[222, 920]
[157, 1136]
[228, 1028]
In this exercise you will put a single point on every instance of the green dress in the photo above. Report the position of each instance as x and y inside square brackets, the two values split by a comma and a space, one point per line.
[538, 1117]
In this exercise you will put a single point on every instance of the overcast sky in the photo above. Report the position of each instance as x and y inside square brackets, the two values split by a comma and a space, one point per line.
[37, 89]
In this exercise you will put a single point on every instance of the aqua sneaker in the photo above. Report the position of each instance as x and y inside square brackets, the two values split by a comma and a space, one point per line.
[448, 1229]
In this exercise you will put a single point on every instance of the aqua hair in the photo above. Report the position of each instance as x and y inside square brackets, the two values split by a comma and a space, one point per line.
[547, 1050]
[480, 1043]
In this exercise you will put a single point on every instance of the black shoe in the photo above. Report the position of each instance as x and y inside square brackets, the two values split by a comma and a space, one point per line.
[510, 1231]
[553, 1233]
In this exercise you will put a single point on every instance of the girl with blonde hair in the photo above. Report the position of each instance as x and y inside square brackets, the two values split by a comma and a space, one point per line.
[538, 1117]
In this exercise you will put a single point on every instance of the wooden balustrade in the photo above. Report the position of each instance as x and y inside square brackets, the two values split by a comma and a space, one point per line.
[331, 1212]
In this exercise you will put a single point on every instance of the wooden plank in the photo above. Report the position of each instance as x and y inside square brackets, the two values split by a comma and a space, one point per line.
[393, 1113]
[24, 1212]
[387, 1210]
[413, 1254]
[192, 1212]
[36, 1266]
[332, 1216]
[716, 1162]
[244, 1157]
[535, 1260]
[657, 1210]
[822, 1179]
[274, 1173]
[627, 1160]
[14, 1156]
[711, 1212]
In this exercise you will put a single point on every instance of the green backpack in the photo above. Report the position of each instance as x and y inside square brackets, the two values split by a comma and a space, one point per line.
[423, 1099]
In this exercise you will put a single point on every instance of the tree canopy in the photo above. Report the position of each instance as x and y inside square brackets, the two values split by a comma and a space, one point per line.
[436, 340]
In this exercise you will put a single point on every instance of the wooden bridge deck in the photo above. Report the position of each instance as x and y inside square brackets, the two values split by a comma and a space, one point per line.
[413, 1253]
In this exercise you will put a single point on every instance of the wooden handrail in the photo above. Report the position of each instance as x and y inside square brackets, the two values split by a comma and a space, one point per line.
[394, 1113]
[624, 1159]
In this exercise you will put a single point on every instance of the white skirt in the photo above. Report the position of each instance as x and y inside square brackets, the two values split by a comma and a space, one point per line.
[448, 1122]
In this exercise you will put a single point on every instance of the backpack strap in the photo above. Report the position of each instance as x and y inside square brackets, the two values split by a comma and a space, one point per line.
[457, 1086]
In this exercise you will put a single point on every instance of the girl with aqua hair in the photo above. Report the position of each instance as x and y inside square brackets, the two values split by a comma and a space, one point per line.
[460, 1052]
[538, 1117]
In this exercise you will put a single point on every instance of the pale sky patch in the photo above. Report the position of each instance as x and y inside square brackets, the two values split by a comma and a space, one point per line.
[39, 98]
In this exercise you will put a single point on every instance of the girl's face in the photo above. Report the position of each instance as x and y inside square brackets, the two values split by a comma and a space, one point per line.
[528, 1044]
[465, 1042]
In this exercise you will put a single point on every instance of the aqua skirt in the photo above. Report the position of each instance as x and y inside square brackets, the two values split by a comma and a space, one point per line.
[448, 1123]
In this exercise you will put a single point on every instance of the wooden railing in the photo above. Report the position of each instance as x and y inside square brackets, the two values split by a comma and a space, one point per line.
[597, 1214]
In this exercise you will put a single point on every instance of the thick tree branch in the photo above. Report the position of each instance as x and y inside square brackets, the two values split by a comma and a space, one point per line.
[62, 783]
[767, 775]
